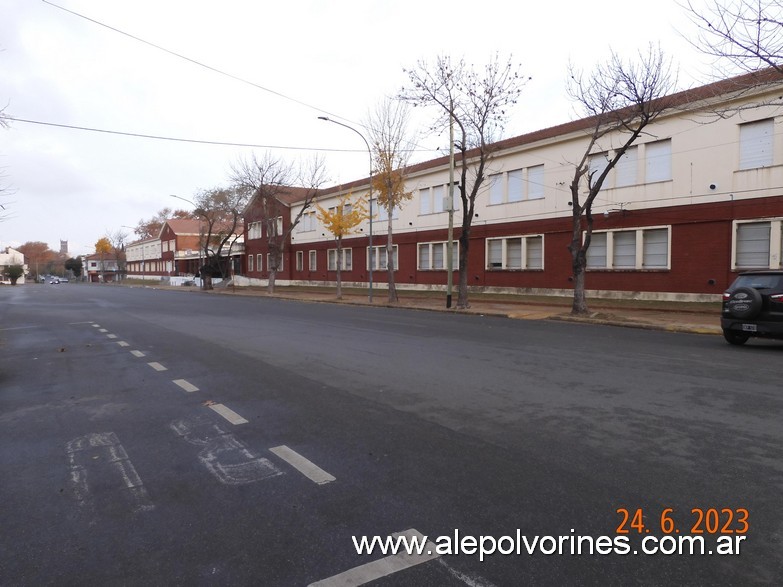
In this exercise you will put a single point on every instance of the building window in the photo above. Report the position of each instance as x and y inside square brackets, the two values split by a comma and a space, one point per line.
[254, 230]
[308, 222]
[635, 249]
[432, 256]
[379, 258]
[517, 185]
[300, 260]
[381, 213]
[756, 144]
[626, 168]
[280, 264]
[311, 260]
[758, 244]
[347, 255]
[434, 200]
[250, 262]
[659, 161]
[259, 266]
[596, 165]
[516, 253]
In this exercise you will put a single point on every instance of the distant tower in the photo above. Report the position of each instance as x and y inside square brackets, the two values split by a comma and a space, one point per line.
[63, 247]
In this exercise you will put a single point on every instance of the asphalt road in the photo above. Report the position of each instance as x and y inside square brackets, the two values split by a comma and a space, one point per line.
[154, 437]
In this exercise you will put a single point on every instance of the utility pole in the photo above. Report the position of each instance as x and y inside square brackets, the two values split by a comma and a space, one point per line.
[450, 242]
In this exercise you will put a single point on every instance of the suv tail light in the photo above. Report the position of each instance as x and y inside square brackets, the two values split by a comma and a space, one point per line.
[726, 296]
[777, 298]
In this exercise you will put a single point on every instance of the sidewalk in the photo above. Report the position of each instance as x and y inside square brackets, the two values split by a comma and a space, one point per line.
[694, 317]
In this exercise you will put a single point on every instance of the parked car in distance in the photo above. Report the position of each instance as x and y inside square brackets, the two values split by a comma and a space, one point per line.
[54, 280]
[753, 307]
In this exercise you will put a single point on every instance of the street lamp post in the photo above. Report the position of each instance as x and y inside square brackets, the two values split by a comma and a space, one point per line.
[371, 257]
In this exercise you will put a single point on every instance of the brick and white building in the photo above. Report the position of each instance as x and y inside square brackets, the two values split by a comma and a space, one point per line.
[696, 200]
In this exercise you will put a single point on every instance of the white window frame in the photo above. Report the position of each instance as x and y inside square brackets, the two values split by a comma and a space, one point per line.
[308, 223]
[347, 259]
[516, 185]
[756, 144]
[431, 256]
[775, 243]
[504, 256]
[312, 260]
[300, 260]
[658, 161]
[250, 263]
[259, 262]
[638, 265]
[269, 263]
[380, 253]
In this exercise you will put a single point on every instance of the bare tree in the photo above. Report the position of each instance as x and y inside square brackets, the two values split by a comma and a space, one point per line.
[221, 211]
[478, 102]
[118, 239]
[4, 190]
[621, 99]
[269, 180]
[748, 34]
[391, 148]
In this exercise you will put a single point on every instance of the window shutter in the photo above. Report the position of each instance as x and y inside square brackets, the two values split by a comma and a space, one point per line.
[516, 186]
[495, 254]
[596, 253]
[535, 252]
[535, 182]
[753, 244]
[437, 256]
[656, 248]
[756, 144]
[624, 249]
[424, 256]
[626, 167]
[495, 188]
[659, 161]
[514, 253]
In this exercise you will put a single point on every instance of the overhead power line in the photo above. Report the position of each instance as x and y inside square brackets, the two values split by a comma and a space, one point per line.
[177, 139]
[194, 61]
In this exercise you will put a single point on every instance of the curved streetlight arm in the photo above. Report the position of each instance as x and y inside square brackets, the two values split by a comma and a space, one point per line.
[371, 257]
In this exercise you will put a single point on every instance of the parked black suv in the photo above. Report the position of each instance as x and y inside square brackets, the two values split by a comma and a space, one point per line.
[753, 307]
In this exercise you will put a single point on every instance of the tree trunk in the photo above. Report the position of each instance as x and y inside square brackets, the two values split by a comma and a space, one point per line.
[464, 243]
[579, 265]
[271, 283]
[339, 266]
[393, 298]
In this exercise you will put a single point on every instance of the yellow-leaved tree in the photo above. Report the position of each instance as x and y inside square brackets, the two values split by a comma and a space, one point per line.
[391, 149]
[341, 220]
[103, 248]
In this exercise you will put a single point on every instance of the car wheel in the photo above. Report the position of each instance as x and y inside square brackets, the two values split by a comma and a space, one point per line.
[745, 303]
[735, 337]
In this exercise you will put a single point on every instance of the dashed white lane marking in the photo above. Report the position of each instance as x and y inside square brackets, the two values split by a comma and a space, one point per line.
[96, 325]
[381, 567]
[228, 414]
[304, 466]
[186, 385]
[102, 330]
[157, 366]
[122, 343]
[138, 354]
[111, 335]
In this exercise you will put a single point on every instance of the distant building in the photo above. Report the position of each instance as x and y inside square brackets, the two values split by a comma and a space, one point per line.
[63, 247]
[8, 257]
[101, 268]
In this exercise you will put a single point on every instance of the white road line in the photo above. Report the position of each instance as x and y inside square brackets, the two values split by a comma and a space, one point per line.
[301, 464]
[157, 366]
[186, 385]
[102, 330]
[138, 354]
[228, 414]
[122, 343]
[96, 325]
[111, 335]
[381, 567]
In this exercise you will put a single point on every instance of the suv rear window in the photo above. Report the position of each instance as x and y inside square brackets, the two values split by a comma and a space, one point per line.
[759, 281]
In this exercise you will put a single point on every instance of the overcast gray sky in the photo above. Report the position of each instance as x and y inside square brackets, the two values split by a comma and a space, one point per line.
[312, 57]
